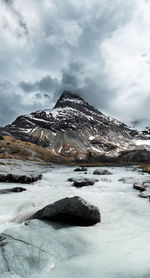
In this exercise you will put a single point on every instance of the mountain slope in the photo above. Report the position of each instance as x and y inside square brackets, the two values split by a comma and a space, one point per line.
[10, 148]
[73, 128]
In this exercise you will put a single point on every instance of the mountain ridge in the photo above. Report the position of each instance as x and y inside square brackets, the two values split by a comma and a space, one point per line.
[73, 128]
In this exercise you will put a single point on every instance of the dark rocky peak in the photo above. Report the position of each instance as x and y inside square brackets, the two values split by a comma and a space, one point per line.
[73, 100]
[67, 95]
[68, 98]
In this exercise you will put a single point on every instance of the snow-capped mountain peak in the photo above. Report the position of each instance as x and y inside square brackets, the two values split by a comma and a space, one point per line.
[73, 128]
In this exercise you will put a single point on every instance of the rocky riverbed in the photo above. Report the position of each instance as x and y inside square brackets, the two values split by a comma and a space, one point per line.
[116, 247]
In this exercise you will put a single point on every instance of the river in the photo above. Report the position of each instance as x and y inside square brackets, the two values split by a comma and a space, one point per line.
[119, 246]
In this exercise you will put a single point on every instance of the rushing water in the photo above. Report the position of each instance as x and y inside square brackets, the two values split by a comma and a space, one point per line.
[118, 247]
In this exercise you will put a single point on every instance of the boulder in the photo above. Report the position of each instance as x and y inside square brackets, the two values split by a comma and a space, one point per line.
[82, 181]
[139, 186]
[101, 172]
[12, 190]
[144, 195]
[33, 250]
[80, 169]
[144, 188]
[74, 211]
[19, 178]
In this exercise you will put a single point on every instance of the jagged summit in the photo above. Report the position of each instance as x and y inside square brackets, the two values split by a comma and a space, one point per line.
[69, 95]
[66, 99]
[73, 127]
[72, 100]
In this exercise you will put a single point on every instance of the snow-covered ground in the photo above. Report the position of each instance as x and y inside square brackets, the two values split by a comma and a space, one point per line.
[118, 247]
[143, 144]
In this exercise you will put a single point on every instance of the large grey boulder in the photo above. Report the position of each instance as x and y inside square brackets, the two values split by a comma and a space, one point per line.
[73, 210]
[38, 249]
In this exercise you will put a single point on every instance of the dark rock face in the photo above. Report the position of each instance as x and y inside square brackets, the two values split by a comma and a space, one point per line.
[12, 190]
[19, 178]
[74, 211]
[136, 156]
[101, 172]
[82, 169]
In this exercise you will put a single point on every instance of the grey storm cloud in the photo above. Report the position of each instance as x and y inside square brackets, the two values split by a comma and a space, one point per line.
[99, 49]
[18, 17]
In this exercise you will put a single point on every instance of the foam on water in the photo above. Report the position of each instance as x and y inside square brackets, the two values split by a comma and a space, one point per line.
[118, 247]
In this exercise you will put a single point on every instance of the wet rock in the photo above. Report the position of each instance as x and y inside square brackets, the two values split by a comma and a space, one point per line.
[74, 211]
[19, 178]
[144, 188]
[123, 180]
[81, 178]
[70, 179]
[80, 169]
[82, 181]
[146, 184]
[144, 195]
[138, 186]
[12, 190]
[32, 250]
[18, 171]
[101, 172]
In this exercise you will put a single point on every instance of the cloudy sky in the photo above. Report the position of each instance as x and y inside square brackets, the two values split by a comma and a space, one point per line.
[97, 48]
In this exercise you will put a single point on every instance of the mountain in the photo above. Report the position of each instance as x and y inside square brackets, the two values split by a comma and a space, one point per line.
[11, 148]
[73, 128]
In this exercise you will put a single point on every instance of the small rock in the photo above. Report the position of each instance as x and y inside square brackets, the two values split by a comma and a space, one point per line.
[144, 195]
[82, 181]
[81, 169]
[71, 179]
[101, 172]
[138, 186]
[12, 190]
[73, 210]
[122, 179]
[146, 184]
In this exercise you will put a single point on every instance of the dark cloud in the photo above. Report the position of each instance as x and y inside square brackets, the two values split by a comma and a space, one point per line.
[46, 84]
[13, 102]
[94, 48]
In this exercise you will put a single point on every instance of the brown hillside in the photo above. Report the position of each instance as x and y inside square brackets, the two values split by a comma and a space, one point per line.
[10, 148]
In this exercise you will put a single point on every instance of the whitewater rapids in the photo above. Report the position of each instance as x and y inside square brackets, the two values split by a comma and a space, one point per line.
[118, 247]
